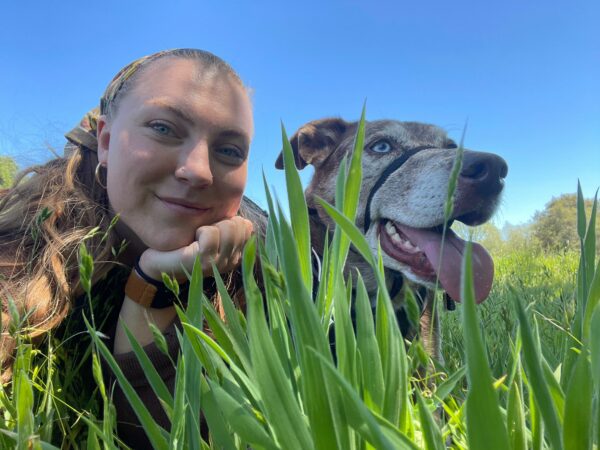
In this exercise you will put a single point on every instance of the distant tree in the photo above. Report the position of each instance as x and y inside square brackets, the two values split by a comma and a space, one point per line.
[8, 169]
[519, 237]
[487, 235]
[555, 228]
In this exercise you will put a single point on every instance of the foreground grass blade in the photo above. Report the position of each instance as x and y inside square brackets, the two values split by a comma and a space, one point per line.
[483, 411]
[372, 370]
[155, 433]
[176, 438]
[357, 238]
[516, 418]
[445, 388]
[193, 366]
[578, 423]
[156, 382]
[431, 432]
[595, 355]
[592, 304]
[41, 445]
[357, 414]
[393, 356]
[308, 332]
[298, 210]
[280, 406]
[537, 383]
[354, 178]
[241, 420]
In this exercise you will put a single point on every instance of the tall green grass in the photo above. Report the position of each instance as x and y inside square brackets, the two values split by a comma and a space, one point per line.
[272, 380]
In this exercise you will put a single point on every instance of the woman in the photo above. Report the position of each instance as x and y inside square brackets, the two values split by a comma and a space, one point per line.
[166, 155]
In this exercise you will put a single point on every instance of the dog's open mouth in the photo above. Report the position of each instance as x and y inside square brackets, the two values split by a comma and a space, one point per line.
[421, 250]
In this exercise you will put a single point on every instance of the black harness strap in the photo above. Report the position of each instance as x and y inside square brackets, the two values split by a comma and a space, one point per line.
[384, 176]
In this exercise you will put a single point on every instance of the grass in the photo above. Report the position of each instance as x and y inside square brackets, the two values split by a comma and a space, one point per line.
[521, 371]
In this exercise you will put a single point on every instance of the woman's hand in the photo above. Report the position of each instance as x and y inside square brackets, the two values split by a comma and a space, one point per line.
[221, 243]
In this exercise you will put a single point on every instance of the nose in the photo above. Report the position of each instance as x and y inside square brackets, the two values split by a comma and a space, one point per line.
[485, 171]
[194, 166]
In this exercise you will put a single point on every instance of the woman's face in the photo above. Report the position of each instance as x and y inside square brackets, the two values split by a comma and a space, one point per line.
[176, 152]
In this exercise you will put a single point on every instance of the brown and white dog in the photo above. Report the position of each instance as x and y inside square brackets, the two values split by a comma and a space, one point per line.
[406, 170]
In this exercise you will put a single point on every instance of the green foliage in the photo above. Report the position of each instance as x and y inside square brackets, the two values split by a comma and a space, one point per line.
[8, 170]
[556, 226]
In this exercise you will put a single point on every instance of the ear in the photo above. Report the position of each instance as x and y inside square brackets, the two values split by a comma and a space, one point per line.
[315, 141]
[103, 137]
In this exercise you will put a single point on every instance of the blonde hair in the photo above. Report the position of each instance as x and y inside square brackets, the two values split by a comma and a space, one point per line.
[52, 208]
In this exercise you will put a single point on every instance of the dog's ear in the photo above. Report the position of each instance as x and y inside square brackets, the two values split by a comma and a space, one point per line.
[315, 141]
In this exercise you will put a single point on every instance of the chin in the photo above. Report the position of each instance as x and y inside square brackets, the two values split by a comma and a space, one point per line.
[166, 242]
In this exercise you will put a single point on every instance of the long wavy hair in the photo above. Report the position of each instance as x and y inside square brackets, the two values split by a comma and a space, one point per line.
[52, 208]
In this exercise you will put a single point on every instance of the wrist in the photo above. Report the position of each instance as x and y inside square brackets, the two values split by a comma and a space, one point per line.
[148, 268]
[149, 292]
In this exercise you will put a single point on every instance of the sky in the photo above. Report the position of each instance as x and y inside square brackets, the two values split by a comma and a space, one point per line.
[524, 77]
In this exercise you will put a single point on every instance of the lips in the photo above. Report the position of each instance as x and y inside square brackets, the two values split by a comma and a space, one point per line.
[421, 249]
[183, 206]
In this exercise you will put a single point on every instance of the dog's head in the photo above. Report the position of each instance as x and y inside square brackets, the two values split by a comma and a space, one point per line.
[406, 170]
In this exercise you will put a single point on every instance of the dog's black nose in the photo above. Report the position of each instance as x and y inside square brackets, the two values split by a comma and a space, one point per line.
[485, 170]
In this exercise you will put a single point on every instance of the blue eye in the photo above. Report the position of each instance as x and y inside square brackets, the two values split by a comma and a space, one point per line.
[162, 128]
[231, 152]
[381, 146]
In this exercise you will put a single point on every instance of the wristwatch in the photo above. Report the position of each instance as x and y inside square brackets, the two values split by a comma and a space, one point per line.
[151, 293]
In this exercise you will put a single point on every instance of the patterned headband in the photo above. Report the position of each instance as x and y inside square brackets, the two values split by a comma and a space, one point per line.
[84, 134]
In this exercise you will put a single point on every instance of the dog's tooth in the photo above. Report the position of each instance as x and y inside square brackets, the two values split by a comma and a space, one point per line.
[396, 238]
[411, 246]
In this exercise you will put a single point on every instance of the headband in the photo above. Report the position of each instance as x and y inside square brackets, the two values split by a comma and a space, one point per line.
[84, 134]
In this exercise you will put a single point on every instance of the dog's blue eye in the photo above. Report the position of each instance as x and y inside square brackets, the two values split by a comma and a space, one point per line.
[381, 146]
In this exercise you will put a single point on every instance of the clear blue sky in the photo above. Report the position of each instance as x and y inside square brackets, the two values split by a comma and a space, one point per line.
[526, 75]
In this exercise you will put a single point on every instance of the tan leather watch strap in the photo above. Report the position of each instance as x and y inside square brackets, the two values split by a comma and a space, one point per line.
[139, 290]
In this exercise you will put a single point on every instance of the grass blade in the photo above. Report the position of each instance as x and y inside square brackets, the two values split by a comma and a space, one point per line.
[516, 418]
[447, 386]
[357, 238]
[280, 406]
[368, 348]
[578, 422]
[154, 432]
[483, 411]
[241, 419]
[298, 211]
[431, 432]
[357, 414]
[537, 382]
[156, 382]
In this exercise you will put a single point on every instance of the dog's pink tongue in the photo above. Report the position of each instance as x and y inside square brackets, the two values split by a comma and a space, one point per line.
[450, 267]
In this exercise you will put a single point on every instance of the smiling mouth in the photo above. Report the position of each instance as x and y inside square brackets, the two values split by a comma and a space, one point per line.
[182, 207]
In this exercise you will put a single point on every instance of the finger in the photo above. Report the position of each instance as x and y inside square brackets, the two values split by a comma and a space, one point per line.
[207, 246]
[229, 232]
[234, 234]
[245, 227]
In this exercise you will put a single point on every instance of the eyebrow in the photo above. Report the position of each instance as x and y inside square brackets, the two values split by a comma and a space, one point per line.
[183, 115]
[173, 109]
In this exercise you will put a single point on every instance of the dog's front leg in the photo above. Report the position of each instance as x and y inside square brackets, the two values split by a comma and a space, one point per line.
[430, 327]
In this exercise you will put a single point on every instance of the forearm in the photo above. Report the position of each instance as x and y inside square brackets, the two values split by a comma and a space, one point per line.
[137, 318]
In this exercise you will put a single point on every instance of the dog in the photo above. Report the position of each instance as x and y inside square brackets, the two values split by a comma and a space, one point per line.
[406, 169]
